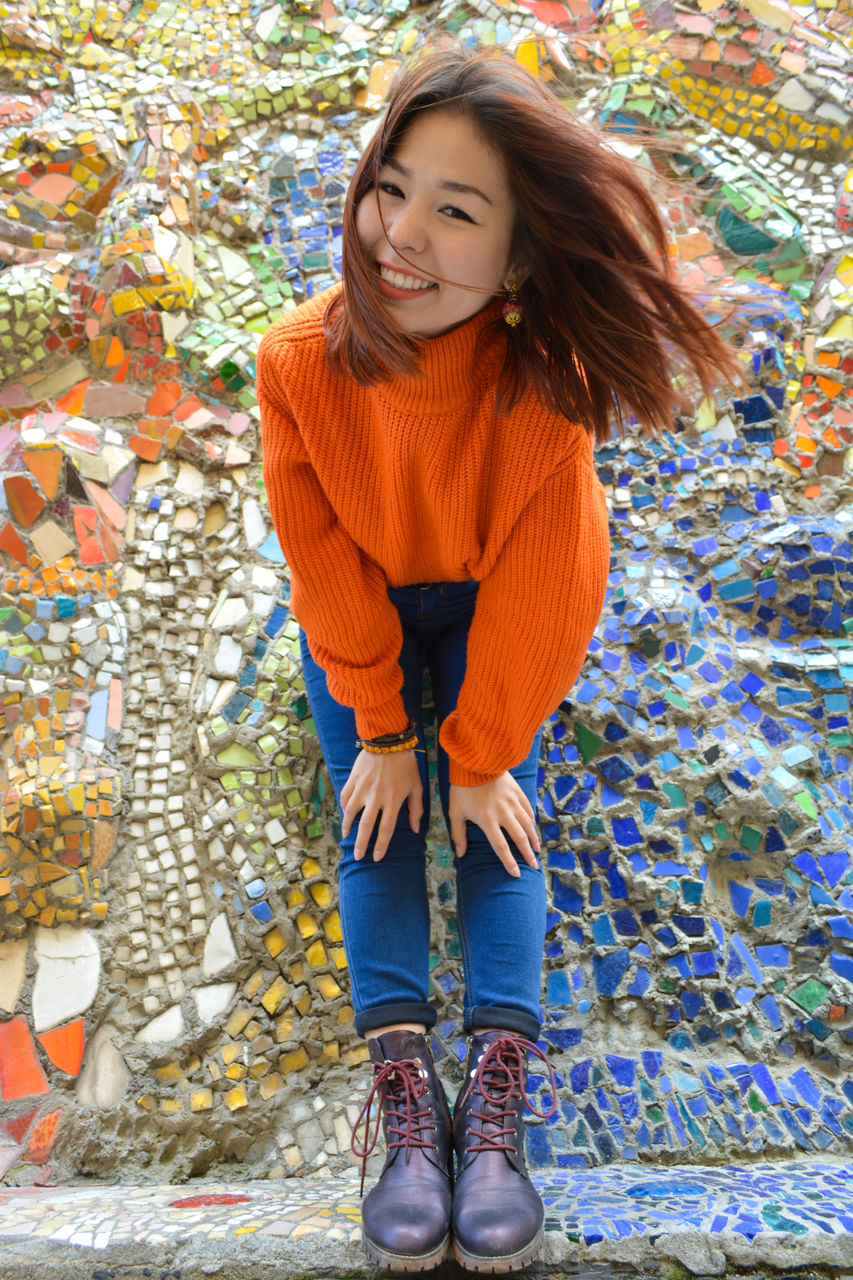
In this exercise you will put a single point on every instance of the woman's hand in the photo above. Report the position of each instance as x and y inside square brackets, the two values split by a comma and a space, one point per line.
[381, 783]
[492, 805]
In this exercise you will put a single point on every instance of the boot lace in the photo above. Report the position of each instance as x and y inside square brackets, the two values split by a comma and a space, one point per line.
[401, 1086]
[499, 1080]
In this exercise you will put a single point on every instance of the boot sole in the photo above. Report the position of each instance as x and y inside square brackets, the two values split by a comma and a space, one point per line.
[500, 1266]
[405, 1261]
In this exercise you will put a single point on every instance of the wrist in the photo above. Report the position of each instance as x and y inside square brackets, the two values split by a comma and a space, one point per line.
[386, 743]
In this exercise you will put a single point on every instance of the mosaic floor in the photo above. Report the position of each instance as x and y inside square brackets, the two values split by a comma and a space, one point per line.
[808, 1206]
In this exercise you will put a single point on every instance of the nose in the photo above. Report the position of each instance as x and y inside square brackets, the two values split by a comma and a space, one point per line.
[407, 228]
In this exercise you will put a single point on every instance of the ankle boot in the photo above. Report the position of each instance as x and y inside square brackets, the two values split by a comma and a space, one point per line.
[406, 1216]
[498, 1217]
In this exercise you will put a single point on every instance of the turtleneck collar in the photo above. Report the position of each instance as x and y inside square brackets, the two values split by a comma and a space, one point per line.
[446, 369]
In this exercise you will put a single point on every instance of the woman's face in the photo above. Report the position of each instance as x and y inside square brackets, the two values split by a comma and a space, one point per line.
[445, 202]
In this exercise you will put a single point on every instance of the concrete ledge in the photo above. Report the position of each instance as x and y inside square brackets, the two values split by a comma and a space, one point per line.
[621, 1219]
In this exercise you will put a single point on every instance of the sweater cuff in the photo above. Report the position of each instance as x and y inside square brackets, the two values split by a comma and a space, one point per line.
[388, 717]
[462, 777]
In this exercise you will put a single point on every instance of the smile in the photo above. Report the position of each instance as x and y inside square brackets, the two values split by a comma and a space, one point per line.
[400, 281]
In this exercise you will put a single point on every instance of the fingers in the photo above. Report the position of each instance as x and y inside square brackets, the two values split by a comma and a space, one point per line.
[365, 831]
[386, 831]
[523, 842]
[504, 852]
[458, 836]
[416, 810]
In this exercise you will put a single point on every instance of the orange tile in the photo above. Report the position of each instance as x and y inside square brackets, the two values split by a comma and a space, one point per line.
[46, 466]
[25, 502]
[829, 386]
[42, 1138]
[53, 187]
[21, 1075]
[146, 447]
[72, 401]
[105, 838]
[86, 531]
[107, 504]
[762, 74]
[65, 1045]
[164, 398]
[12, 544]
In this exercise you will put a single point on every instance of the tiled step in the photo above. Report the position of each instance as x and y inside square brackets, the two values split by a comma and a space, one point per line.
[616, 1220]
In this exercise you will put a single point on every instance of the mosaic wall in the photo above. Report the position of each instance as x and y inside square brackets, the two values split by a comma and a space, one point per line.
[173, 991]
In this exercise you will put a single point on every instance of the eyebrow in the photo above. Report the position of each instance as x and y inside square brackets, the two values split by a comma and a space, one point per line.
[461, 188]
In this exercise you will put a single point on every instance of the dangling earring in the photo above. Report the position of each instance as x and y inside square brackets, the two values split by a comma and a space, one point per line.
[513, 309]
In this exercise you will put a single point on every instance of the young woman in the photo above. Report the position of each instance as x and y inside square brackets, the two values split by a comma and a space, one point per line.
[427, 433]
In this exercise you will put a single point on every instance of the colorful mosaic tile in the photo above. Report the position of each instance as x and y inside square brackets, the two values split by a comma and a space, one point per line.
[172, 181]
[700, 1219]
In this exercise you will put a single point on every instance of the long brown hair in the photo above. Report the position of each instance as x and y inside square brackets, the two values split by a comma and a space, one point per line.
[607, 328]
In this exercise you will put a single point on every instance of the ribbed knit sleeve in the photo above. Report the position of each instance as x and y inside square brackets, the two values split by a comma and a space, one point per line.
[535, 615]
[338, 594]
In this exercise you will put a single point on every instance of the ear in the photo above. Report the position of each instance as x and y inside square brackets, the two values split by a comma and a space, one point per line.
[518, 273]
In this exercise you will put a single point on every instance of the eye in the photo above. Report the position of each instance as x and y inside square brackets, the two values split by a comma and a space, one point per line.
[452, 211]
[389, 188]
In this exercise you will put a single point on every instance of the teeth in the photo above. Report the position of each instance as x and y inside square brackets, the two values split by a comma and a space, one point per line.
[399, 281]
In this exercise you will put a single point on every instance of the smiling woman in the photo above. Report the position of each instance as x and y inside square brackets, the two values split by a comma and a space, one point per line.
[437, 228]
[429, 467]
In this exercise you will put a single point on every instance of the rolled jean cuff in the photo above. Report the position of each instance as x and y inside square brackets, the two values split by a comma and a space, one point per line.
[480, 1017]
[386, 1015]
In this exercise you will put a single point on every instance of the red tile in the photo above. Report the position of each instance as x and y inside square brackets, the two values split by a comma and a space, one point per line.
[18, 1127]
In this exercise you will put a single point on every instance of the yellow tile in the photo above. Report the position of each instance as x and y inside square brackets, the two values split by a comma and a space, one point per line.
[274, 942]
[332, 927]
[237, 1021]
[254, 984]
[294, 1061]
[284, 1027]
[322, 894]
[170, 1074]
[270, 1085]
[236, 1098]
[327, 986]
[306, 924]
[273, 997]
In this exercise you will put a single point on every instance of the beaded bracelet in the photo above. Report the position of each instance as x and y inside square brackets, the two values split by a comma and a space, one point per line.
[381, 751]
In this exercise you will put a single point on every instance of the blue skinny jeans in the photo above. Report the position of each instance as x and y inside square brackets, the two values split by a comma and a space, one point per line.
[384, 905]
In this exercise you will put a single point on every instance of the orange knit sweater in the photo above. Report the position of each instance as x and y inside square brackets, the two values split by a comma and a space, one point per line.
[418, 480]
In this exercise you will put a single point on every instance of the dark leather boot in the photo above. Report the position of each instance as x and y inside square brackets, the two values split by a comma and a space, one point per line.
[498, 1217]
[406, 1216]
